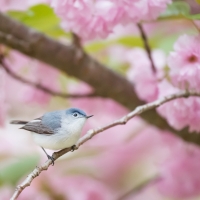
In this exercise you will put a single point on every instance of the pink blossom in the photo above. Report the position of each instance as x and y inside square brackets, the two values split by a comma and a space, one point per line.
[180, 112]
[35, 194]
[11, 139]
[115, 53]
[118, 165]
[122, 30]
[81, 187]
[96, 19]
[141, 154]
[138, 10]
[184, 63]
[34, 71]
[142, 75]
[44, 75]
[87, 18]
[148, 192]
[3, 104]
[179, 175]
[6, 5]
[5, 192]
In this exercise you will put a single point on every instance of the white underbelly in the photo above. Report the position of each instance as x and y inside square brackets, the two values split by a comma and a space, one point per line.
[56, 141]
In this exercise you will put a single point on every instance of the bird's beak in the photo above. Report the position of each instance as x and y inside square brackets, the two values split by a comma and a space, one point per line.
[89, 116]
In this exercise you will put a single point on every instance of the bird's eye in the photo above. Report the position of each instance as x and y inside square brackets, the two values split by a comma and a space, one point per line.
[75, 114]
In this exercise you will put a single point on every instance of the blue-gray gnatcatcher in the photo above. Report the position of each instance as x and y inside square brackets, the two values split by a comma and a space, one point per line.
[56, 130]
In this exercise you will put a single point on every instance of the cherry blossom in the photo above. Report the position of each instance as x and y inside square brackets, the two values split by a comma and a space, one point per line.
[184, 63]
[6, 5]
[97, 19]
[180, 173]
[32, 70]
[81, 187]
[181, 112]
[3, 104]
[142, 75]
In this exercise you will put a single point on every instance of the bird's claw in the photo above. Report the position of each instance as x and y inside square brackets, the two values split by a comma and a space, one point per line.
[51, 158]
[73, 148]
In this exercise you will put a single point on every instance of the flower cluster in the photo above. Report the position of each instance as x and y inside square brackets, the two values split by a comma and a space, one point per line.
[6, 5]
[184, 73]
[142, 75]
[96, 19]
[184, 63]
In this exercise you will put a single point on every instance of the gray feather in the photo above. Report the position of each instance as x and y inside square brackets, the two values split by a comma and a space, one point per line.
[37, 127]
[53, 119]
[18, 122]
[47, 124]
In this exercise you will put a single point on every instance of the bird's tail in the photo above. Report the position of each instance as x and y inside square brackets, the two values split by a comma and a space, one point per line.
[19, 122]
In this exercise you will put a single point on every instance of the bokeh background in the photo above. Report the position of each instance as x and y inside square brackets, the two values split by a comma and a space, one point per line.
[135, 161]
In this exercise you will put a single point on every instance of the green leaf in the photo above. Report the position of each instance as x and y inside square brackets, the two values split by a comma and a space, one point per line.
[179, 9]
[11, 172]
[96, 46]
[167, 43]
[40, 17]
[127, 41]
[130, 41]
[193, 17]
[176, 9]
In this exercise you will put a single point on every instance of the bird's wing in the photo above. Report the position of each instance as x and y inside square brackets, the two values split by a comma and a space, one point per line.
[47, 124]
[20, 122]
[37, 126]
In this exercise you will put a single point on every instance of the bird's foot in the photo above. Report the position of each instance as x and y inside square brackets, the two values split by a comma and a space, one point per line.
[48, 156]
[73, 148]
[51, 158]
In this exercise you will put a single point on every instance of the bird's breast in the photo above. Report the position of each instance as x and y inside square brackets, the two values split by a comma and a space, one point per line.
[59, 140]
[65, 136]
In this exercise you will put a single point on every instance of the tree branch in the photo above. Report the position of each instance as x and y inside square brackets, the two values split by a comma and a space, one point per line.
[91, 133]
[146, 46]
[76, 41]
[41, 87]
[69, 59]
[74, 62]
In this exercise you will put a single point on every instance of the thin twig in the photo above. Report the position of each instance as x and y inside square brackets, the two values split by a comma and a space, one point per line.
[39, 86]
[147, 47]
[140, 109]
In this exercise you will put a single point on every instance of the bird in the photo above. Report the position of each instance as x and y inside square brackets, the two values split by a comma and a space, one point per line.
[57, 129]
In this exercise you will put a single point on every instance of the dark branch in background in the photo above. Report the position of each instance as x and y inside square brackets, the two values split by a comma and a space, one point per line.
[68, 59]
[146, 46]
[74, 62]
[41, 87]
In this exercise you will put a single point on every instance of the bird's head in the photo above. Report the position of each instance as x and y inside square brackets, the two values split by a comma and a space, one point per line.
[75, 117]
